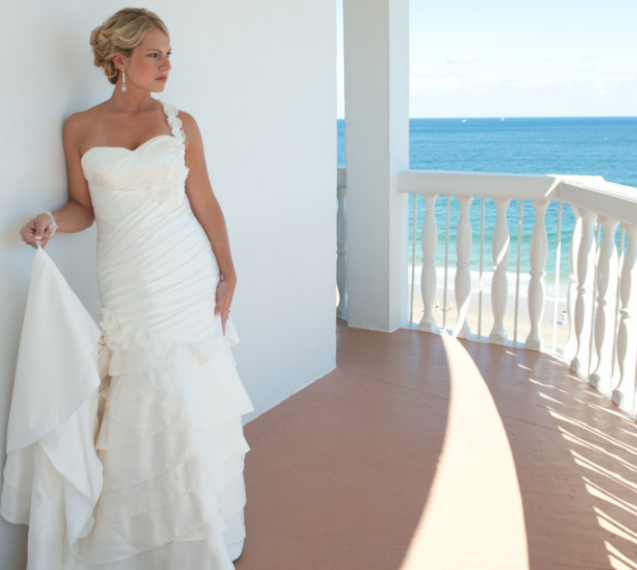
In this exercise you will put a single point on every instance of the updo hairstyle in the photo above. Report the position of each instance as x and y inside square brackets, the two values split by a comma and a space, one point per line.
[122, 32]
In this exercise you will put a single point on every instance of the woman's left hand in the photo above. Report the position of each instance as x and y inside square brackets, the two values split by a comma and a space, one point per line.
[225, 291]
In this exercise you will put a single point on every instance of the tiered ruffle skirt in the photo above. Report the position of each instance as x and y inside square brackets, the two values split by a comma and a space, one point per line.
[172, 447]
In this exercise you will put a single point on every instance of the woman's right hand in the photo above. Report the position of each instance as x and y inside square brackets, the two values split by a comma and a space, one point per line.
[37, 229]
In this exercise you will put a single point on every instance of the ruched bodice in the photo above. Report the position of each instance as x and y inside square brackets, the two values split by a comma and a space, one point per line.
[155, 170]
[121, 180]
[169, 436]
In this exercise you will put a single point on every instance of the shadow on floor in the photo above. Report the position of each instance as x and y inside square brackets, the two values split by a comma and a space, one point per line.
[576, 460]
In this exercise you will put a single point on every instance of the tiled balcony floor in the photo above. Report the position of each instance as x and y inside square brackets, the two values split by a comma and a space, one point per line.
[427, 452]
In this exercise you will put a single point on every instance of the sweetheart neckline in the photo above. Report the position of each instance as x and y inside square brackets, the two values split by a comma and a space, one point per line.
[127, 149]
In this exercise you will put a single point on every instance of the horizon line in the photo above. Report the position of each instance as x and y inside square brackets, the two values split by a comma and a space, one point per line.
[499, 117]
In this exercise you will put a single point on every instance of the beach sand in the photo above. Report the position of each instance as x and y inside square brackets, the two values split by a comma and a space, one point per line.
[482, 329]
[554, 337]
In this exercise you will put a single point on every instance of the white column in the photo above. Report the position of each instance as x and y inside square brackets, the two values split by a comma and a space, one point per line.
[428, 277]
[538, 252]
[499, 285]
[463, 275]
[341, 252]
[624, 394]
[576, 237]
[604, 315]
[585, 274]
[376, 52]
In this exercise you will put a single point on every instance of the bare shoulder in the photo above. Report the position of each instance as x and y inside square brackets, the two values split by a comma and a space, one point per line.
[77, 124]
[74, 129]
[74, 122]
[80, 118]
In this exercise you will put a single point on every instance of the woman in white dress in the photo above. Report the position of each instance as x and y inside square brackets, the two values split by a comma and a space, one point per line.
[170, 438]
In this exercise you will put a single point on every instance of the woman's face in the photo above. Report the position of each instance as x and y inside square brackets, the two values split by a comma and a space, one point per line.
[149, 64]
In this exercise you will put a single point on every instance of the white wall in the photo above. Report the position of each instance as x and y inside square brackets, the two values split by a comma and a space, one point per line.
[259, 76]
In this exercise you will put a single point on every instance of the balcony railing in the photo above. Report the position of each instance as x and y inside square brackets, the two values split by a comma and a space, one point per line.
[584, 313]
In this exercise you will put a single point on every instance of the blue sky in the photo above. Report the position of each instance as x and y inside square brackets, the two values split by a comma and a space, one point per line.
[519, 58]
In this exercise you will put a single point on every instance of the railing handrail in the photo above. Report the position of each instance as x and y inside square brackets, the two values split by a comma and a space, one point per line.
[589, 192]
[604, 198]
[491, 185]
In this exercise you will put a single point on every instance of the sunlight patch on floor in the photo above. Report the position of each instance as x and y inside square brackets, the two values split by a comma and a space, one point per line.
[474, 511]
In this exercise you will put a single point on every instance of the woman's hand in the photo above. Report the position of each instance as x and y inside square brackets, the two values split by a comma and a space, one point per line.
[37, 229]
[225, 291]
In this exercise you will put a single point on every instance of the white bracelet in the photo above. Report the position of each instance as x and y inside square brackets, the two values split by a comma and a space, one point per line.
[54, 225]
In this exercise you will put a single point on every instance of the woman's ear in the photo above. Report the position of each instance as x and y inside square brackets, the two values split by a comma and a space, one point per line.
[118, 60]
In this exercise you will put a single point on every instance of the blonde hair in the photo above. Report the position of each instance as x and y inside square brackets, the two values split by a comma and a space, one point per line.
[121, 33]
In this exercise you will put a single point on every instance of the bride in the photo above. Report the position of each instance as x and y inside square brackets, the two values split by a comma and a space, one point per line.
[170, 439]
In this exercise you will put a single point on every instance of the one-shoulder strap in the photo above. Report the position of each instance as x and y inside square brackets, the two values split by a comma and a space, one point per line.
[174, 121]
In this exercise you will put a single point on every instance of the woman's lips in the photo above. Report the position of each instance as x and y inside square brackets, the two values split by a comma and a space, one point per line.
[162, 79]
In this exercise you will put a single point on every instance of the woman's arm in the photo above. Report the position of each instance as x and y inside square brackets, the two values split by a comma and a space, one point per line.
[207, 210]
[77, 214]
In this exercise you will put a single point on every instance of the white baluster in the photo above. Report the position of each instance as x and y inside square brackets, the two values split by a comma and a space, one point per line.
[538, 253]
[576, 238]
[604, 333]
[341, 252]
[480, 277]
[428, 278]
[585, 272]
[499, 286]
[463, 275]
[624, 394]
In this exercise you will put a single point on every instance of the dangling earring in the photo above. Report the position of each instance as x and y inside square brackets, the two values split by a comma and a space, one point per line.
[124, 88]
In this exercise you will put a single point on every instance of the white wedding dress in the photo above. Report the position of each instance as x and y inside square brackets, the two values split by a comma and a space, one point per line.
[125, 447]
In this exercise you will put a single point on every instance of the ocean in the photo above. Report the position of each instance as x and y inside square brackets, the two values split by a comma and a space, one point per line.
[600, 146]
